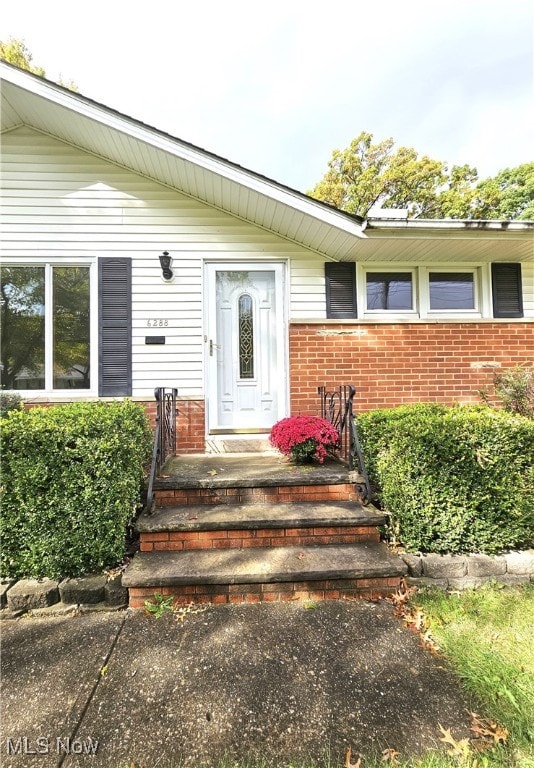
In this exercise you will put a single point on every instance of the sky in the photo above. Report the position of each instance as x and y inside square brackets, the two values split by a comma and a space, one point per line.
[276, 86]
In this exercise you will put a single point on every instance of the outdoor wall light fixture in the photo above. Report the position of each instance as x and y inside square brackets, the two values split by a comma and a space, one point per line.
[165, 260]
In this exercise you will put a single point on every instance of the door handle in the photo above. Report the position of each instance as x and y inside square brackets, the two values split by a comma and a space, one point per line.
[212, 345]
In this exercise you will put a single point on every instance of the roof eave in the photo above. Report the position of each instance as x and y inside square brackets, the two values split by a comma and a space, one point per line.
[82, 105]
[470, 225]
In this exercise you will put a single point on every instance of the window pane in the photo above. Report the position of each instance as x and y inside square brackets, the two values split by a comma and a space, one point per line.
[452, 290]
[71, 327]
[246, 338]
[389, 290]
[23, 328]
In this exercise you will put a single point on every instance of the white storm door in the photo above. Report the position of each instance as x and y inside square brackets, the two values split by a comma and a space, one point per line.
[245, 347]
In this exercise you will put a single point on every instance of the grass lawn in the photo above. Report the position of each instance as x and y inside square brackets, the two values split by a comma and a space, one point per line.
[487, 636]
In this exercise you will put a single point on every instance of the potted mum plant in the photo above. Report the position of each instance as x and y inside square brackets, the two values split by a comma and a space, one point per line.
[304, 438]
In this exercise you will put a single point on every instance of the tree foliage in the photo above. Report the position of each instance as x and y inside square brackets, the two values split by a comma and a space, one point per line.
[368, 174]
[16, 52]
[508, 195]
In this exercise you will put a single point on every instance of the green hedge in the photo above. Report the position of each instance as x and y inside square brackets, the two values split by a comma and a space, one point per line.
[71, 479]
[455, 479]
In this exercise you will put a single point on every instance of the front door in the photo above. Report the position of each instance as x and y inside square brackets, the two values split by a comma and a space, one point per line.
[245, 347]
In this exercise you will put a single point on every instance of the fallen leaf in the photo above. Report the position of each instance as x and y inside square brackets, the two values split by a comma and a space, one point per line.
[458, 748]
[414, 618]
[212, 472]
[402, 595]
[103, 670]
[487, 730]
[390, 756]
[301, 555]
[429, 643]
[348, 758]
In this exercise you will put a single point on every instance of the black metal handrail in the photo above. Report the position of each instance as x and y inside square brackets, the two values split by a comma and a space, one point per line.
[164, 436]
[337, 408]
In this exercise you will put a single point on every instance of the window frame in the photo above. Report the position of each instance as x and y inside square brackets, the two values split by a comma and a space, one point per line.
[421, 291]
[390, 314]
[48, 264]
[479, 311]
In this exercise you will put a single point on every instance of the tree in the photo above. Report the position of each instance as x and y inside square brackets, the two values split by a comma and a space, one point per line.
[16, 52]
[508, 195]
[368, 174]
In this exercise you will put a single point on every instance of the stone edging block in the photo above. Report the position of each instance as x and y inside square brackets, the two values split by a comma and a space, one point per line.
[48, 597]
[469, 571]
[32, 593]
[85, 589]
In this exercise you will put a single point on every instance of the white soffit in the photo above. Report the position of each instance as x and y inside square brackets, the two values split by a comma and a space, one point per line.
[35, 102]
[443, 240]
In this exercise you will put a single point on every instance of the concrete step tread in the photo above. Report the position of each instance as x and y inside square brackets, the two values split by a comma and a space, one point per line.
[215, 517]
[248, 471]
[263, 565]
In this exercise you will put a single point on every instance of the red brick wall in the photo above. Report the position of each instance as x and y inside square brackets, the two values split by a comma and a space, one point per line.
[391, 364]
[166, 497]
[191, 428]
[177, 541]
[334, 589]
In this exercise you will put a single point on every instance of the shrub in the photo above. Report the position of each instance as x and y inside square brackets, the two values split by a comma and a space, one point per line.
[374, 428]
[9, 401]
[71, 479]
[514, 389]
[453, 479]
[304, 437]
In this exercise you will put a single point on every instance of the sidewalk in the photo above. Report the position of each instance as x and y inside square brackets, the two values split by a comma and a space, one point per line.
[271, 682]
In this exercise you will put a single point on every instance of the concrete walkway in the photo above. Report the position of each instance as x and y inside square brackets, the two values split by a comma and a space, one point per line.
[268, 683]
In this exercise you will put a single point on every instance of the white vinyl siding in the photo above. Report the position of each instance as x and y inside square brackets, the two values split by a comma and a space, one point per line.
[59, 202]
[527, 270]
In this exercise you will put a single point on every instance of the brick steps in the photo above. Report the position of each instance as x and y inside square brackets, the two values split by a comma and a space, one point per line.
[166, 496]
[245, 528]
[367, 569]
[256, 525]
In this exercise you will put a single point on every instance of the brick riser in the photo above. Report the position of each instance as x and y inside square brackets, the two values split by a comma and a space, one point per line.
[338, 492]
[331, 589]
[266, 537]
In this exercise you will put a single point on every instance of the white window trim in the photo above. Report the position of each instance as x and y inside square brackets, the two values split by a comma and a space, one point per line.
[425, 308]
[390, 314]
[49, 393]
[421, 292]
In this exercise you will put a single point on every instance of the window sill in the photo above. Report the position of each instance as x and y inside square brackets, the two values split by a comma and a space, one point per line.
[407, 320]
[36, 397]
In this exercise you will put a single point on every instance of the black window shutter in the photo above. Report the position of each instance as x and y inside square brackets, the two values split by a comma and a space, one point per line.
[507, 290]
[340, 278]
[115, 327]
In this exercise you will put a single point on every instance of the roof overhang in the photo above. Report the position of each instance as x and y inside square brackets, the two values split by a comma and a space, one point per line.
[447, 240]
[29, 100]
